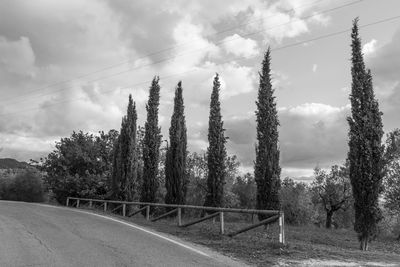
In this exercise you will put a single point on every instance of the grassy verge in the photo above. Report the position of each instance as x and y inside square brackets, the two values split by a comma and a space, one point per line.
[305, 246]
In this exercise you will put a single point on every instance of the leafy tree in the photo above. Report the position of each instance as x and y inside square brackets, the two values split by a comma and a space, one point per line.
[125, 183]
[332, 191]
[231, 200]
[392, 187]
[77, 167]
[267, 170]
[151, 145]
[296, 202]
[139, 152]
[365, 149]
[175, 167]
[106, 142]
[392, 174]
[392, 147]
[246, 190]
[216, 152]
[197, 172]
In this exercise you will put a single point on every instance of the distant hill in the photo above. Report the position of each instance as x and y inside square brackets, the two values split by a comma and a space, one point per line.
[8, 163]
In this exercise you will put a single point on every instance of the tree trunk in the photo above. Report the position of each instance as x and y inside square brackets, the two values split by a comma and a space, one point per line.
[364, 242]
[329, 215]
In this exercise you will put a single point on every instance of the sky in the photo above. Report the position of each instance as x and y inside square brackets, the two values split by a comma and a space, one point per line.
[70, 65]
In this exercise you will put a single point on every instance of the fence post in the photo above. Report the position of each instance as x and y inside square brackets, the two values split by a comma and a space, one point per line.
[90, 204]
[281, 227]
[67, 201]
[123, 209]
[77, 203]
[221, 220]
[105, 206]
[179, 216]
[147, 212]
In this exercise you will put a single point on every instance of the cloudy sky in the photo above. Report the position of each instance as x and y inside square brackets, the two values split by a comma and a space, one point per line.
[70, 65]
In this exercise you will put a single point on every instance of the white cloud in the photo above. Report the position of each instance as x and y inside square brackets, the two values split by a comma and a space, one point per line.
[239, 46]
[369, 48]
[278, 23]
[195, 47]
[314, 68]
[24, 147]
[17, 56]
[320, 19]
[315, 110]
[345, 89]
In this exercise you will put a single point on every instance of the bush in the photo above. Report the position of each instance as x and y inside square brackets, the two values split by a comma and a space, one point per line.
[26, 186]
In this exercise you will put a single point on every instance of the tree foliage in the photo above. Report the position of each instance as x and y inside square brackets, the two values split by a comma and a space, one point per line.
[296, 202]
[267, 170]
[79, 166]
[216, 152]
[151, 145]
[365, 149]
[175, 166]
[332, 191]
[25, 186]
[125, 182]
[392, 174]
[197, 173]
[245, 189]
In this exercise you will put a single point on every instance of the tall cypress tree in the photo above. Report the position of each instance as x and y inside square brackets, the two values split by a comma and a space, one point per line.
[151, 145]
[267, 170]
[175, 165]
[125, 179]
[365, 148]
[216, 152]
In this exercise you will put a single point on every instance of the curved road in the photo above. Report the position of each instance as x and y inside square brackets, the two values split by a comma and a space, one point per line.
[42, 235]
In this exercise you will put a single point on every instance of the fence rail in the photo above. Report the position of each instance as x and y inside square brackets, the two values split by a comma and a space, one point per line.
[275, 215]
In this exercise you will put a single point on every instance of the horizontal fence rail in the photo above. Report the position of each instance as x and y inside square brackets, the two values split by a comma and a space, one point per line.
[274, 215]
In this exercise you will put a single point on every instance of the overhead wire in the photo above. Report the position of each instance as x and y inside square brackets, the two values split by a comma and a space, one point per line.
[164, 50]
[237, 60]
[190, 52]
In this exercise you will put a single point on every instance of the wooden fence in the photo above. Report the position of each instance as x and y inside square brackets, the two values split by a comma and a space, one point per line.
[273, 215]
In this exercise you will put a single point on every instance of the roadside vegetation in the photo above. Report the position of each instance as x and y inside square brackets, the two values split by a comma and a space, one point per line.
[25, 186]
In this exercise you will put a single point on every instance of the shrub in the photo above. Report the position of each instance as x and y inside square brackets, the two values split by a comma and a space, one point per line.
[26, 186]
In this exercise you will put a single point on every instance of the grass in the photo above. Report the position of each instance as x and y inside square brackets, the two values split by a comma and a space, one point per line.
[305, 245]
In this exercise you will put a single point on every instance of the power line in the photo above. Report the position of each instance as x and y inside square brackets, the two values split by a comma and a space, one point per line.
[165, 49]
[190, 52]
[238, 59]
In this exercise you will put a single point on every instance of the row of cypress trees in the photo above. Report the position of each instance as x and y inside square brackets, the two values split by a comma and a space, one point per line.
[365, 148]
[128, 183]
[134, 175]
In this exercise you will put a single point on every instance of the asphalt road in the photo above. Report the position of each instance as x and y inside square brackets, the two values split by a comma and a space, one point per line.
[41, 235]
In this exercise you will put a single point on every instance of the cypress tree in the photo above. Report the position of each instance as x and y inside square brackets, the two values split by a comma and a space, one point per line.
[267, 170]
[125, 178]
[151, 145]
[175, 165]
[216, 152]
[365, 148]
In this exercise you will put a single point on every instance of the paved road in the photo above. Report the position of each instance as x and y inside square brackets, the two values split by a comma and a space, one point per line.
[40, 235]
